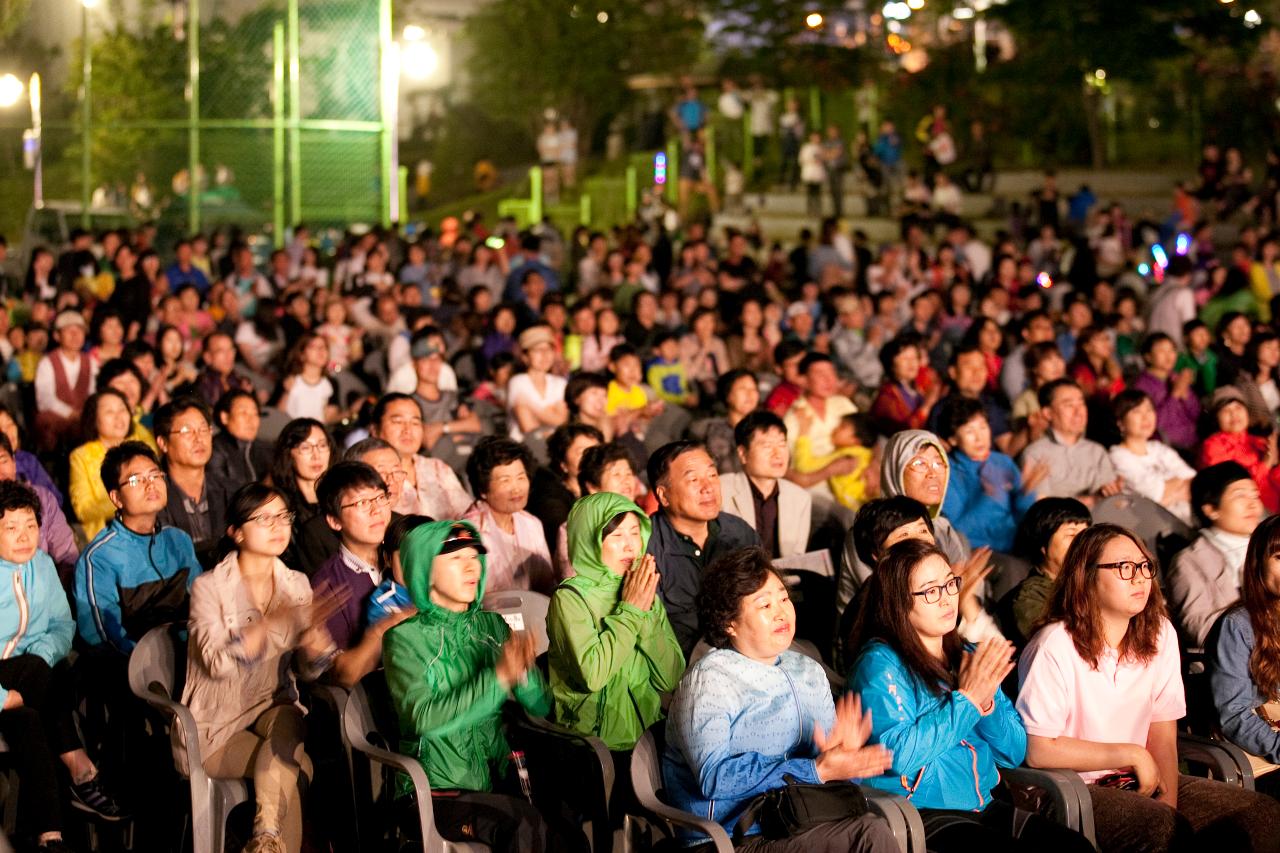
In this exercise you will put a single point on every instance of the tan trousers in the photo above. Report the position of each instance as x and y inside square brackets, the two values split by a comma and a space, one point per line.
[271, 754]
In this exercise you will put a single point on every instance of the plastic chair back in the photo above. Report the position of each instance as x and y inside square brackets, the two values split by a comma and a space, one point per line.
[524, 610]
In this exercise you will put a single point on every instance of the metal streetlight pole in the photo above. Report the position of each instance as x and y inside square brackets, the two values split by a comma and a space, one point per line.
[37, 192]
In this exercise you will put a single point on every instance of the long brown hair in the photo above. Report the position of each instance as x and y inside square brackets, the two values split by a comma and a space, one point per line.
[1263, 607]
[1075, 600]
[885, 615]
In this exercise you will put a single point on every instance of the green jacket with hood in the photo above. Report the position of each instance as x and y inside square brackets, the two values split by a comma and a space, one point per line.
[610, 661]
[440, 669]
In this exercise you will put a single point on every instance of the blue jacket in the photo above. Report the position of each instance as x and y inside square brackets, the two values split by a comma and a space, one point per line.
[985, 500]
[127, 583]
[945, 753]
[34, 616]
[1236, 697]
[737, 726]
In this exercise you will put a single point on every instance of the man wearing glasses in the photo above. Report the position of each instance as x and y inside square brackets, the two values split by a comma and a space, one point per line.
[135, 574]
[356, 503]
[197, 501]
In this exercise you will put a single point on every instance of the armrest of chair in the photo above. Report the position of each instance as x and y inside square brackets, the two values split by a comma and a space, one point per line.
[902, 817]
[181, 715]
[677, 817]
[602, 754]
[418, 776]
[1065, 798]
[1225, 761]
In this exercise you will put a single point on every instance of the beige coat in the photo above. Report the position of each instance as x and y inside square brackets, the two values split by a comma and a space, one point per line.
[795, 508]
[226, 690]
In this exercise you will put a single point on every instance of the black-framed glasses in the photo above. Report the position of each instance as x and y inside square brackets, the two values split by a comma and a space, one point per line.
[143, 479]
[933, 594]
[1126, 569]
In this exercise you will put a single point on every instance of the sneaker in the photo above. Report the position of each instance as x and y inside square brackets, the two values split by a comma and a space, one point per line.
[92, 798]
[265, 842]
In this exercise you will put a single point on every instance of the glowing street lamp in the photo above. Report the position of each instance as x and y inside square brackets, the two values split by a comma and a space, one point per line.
[10, 90]
[813, 20]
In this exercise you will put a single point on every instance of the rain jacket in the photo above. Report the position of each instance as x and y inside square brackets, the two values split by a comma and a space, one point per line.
[610, 661]
[34, 616]
[440, 669]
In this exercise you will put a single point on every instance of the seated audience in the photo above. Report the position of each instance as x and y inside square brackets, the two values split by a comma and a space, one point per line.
[36, 694]
[821, 408]
[356, 504]
[938, 710]
[197, 500]
[1242, 660]
[1148, 467]
[56, 538]
[219, 375]
[752, 716]
[1233, 442]
[254, 627]
[555, 487]
[302, 454]
[238, 456]
[383, 458]
[535, 398]
[106, 423]
[968, 373]
[901, 404]
[1078, 467]
[690, 530]
[1044, 535]
[430, 487]
[30, 470]
[135, 574]
[613, 653]
[778, 509]
[986, 493]
[852, 440]
[1172, 392]
[451, 669]
[1101, 694]
[499, 470]
[64, 380]
[1205, 578]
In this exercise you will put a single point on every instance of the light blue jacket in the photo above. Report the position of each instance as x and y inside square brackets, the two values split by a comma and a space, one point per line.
[985, 500]
[945, 753]
[35, 618]
[737, 726]
[1235, 695]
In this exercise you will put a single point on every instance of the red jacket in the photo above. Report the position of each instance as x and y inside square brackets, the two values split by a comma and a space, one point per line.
[1251, 452]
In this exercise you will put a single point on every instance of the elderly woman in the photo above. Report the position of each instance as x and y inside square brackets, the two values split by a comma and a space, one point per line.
[915, 463]
[613, 653]
[751, 714]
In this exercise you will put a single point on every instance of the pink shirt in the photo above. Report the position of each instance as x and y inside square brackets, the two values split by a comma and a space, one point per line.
[516, 561]
[438, 494]
[1115, 703]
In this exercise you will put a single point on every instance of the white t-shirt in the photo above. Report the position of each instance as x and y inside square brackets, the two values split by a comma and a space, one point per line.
[762, 108]
[521, 391]
[304, 400]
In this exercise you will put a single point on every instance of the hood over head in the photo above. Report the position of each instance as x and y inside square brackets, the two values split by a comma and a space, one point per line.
[586, 522]
[902, 448]
[421, 546]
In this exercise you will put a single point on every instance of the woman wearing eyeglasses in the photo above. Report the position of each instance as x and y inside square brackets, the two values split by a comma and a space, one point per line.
[1102, 695]
[254, 626]
[302, 454]
[935, 703]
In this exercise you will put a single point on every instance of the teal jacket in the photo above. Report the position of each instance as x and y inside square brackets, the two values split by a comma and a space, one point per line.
[440, 669]
[34, 616]
[610, 661]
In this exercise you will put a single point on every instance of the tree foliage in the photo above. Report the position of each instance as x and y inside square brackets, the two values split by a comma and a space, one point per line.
[530, 55]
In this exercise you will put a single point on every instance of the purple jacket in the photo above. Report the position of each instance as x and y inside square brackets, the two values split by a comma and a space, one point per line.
[1175, 419]
[56, 538]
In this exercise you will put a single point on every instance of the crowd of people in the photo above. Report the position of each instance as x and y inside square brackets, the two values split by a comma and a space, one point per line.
[1042, 467]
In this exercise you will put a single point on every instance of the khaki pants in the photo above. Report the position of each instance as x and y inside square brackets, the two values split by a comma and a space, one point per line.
[271, 754]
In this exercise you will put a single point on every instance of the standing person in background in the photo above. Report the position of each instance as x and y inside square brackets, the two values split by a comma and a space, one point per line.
[762, 104]
[835, 158]
[813, 173]
[791, 136]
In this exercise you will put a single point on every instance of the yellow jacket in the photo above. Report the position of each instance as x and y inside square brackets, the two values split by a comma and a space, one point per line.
[850, 489]
[89, 498]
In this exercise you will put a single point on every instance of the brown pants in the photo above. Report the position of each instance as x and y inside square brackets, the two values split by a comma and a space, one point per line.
[271, 754]
[1210, 816]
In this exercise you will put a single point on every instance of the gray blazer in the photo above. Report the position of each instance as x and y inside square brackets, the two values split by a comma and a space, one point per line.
[795, 510]
[1200, 588]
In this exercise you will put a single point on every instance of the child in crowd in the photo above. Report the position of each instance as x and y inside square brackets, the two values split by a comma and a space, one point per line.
[1199, 356]
[666, 374]
[853, 438]
[628, 395]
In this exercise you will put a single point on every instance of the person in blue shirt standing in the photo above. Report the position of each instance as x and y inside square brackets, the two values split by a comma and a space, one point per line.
[936, 704]
[183, 272]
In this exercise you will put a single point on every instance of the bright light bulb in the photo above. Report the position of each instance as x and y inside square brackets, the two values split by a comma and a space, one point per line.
[813, 20]
[1100, 74]
[10, 90]
[413, 32]
[1252, 18]
[603, 17]
[89, 4]
[916, 4]
[419, 60]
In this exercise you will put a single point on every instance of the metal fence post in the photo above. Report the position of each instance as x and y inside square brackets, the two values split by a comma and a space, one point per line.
[389, 73]
[86, 117]
[295, 118]
[277, 132]
[632, 197]
[535, 195]
[193, 115]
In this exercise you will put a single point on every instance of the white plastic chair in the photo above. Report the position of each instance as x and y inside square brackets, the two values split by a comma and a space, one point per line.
[151, 678]
[524, 611]
[359, 724]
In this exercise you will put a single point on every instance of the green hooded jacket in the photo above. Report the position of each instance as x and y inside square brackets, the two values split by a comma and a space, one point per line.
[440, 669]
[610, 661]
